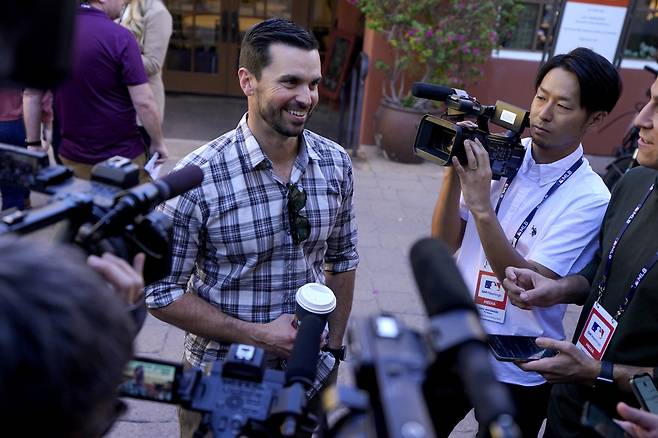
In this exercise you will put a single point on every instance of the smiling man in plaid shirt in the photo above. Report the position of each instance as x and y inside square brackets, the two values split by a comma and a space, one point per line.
[273, 213]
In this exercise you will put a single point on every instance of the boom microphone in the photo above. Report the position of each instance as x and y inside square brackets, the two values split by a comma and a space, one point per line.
[440, 283]
[141, 199]
[435, 92]
[459, 340]
[303, 362]
[300, 374]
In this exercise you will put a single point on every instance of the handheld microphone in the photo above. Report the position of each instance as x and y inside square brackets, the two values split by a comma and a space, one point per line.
[144, 197]
[436, 92]
[458, 338]
[300, 373]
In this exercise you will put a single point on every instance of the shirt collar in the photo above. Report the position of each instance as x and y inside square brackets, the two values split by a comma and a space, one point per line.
[257, 158]
[547, 173]
[87, 9]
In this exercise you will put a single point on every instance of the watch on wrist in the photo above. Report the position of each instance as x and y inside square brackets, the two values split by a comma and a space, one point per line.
[606, 375]
[32, 143]
[338, 353]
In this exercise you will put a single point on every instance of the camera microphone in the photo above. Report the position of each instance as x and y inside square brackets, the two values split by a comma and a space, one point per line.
[458, 338]
[300, 373]
[436, 92]
[303, 362]
[144, 197]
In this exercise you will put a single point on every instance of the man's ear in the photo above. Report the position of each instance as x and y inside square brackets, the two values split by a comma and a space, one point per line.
[247, 81]
[596, 118]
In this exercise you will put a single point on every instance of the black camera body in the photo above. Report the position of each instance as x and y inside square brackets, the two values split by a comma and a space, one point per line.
[82, 207]
[438, 139]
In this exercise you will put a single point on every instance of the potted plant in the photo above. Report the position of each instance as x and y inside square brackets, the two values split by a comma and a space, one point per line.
[443, 42]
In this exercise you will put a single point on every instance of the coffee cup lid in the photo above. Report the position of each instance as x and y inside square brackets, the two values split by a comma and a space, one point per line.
[316, 298]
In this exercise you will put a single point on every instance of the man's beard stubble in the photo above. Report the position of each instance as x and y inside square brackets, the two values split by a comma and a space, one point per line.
[273, 118]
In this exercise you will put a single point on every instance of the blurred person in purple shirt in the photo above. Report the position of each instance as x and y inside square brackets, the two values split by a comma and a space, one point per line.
[107, 88]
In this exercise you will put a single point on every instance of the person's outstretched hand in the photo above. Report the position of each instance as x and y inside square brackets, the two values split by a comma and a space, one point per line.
[638, 424]
[527, 288]
[127, 280]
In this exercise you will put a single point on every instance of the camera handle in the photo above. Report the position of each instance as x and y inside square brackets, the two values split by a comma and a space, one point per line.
[75, 208]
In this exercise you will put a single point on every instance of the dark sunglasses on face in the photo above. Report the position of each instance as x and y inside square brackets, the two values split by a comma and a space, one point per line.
[300, 227]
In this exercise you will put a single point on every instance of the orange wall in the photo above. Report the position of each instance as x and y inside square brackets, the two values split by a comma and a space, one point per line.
[511, 81]
[348, 17]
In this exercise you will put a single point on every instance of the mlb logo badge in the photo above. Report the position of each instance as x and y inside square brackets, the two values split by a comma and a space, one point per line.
[597, 333]
[490, 297]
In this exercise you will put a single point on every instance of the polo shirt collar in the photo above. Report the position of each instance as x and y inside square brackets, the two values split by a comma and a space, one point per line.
[86, 9]
[547, 173]
[257, 158]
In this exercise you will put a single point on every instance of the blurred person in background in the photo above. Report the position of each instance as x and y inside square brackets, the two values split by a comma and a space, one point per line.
[97, 106]
[150, 22]
[12, 132]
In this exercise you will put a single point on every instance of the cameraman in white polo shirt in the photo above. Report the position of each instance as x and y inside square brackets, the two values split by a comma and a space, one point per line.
[545, 218]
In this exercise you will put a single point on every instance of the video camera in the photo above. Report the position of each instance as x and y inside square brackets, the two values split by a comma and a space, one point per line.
[438, 139]
[239, 397]
[110, 213]
[402, 375]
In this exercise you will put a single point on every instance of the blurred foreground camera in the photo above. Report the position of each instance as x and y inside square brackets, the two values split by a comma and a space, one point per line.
[439, 139]
[108, 214]
[239, 396]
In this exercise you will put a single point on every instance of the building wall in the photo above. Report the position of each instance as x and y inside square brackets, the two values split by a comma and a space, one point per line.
[512, 81]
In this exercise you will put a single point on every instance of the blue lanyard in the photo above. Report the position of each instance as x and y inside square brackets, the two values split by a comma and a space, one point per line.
[611, 254]
[524, 225]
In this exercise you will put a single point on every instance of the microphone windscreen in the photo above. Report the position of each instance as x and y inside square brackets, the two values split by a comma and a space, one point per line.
[431, 92]
[440, 283]
[182, 180]
[303, 362]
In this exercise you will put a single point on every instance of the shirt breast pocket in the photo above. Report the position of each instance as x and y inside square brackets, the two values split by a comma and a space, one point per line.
[246, 230]
[323, 205]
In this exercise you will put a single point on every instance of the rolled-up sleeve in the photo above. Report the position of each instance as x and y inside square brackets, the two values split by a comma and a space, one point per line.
[185, 214]
[342, 254]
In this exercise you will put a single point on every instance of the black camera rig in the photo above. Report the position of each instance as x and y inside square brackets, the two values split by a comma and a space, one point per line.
[239, 396]
[110, 213]
[438, 139]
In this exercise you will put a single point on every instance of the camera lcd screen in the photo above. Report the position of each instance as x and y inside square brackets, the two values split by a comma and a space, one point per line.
[517, 348]
[151, 380]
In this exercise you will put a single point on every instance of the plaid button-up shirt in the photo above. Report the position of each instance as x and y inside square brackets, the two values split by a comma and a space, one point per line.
[231, 235]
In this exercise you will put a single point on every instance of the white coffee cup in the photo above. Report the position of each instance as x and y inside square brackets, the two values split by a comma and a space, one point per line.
[316, 299]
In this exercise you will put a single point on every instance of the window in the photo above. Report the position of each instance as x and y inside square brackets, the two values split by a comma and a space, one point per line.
[532, 30]
[643, 34]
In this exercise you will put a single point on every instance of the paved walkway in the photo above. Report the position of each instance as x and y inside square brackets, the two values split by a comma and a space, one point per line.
[393, 203]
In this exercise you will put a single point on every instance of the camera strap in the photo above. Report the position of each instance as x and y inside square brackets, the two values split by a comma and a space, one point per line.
[611, 254]
[524, 225]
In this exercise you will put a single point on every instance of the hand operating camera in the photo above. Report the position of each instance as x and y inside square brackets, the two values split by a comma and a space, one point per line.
[439, 139]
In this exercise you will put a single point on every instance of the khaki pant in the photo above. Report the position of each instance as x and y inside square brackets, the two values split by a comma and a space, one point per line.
[83, 170]
[189, 421]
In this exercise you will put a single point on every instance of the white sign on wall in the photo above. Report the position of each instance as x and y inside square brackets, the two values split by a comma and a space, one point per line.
[596, 25]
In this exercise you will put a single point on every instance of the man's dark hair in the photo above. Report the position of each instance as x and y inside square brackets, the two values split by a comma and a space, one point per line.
[255, 53]
[65, 338]
[600, 85]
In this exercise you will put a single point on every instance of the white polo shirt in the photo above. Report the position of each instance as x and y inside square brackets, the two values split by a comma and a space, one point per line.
[562, 236]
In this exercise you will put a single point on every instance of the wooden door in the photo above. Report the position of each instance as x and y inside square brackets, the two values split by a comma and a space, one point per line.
[205, 44]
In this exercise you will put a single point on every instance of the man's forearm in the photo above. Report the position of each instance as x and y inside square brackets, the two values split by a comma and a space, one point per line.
[573, 289]
[148, 114]
[194, 315]
[342, 284]
[32, 114]
[499, 251]
[447, 225]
